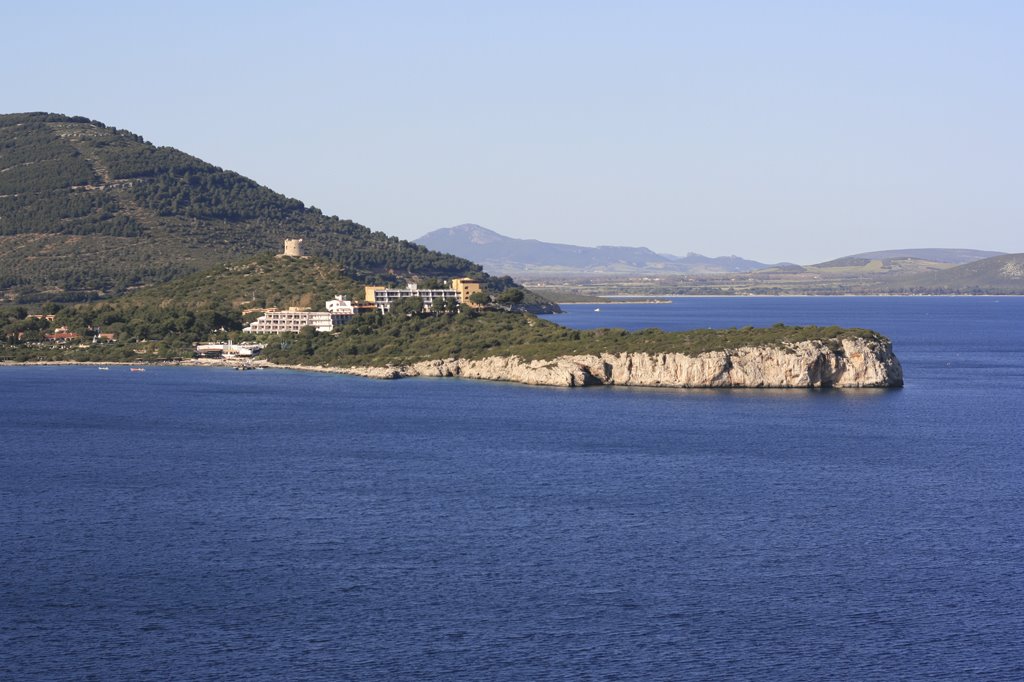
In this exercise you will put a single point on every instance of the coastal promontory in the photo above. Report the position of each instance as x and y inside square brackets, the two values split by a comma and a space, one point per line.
[845, 363]
[116, 250]
[489, 340]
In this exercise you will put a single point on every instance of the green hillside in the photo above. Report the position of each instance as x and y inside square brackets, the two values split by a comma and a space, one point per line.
[383, 340]
[190, 308]
[88, 209]
[164, 321]
[264, 281]
[193, 307]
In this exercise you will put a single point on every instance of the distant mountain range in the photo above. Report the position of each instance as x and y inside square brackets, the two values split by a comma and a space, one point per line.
[507, 255]
[923, 271]
[499, 254]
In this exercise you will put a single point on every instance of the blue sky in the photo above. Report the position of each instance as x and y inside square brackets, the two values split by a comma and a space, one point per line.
[797, 131]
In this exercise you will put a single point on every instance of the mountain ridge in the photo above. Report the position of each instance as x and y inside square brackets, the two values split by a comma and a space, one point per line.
[499, 253]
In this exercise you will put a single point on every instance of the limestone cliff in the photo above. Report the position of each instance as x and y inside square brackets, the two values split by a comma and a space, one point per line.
[846, 363]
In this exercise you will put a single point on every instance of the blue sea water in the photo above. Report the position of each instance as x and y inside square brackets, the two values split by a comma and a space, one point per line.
[191, 523]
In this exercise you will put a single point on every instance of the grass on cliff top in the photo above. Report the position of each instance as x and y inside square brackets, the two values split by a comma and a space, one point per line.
[376, 341]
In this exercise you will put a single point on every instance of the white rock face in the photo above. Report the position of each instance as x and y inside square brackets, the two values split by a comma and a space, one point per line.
[851, 363]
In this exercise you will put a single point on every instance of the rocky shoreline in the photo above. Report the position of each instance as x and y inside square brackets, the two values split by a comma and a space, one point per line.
[846, 363]
[849, 363]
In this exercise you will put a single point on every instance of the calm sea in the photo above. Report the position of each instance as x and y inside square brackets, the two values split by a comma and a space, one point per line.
[210, 524]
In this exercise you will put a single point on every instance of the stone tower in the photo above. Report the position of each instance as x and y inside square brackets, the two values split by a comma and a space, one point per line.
[293, 247]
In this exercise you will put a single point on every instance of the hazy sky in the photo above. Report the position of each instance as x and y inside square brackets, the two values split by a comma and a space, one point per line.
[796, 131]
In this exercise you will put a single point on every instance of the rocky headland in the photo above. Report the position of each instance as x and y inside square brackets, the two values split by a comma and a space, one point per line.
[845, 363]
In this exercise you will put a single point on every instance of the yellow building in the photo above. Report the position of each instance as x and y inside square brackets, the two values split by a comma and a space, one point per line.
[465, 287]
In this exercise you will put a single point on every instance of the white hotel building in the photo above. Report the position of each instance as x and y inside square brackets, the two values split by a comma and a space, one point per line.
[294, 319]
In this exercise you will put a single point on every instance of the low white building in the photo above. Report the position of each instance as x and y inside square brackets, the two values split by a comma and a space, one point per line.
[228, 350]
[293, 320]
[340, 309]
[341, 306]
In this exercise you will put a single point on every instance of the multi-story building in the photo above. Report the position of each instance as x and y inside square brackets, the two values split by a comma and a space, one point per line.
[465, 287]
[460, 291]
[382, 297]
[338, 310]
[293, 320]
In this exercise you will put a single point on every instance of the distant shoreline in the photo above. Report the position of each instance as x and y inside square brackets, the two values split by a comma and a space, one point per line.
[623, 298]
[207, 363]
[646, 301]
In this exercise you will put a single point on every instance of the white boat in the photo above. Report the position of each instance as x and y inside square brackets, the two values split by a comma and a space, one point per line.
[103, 369]
[138, 369]
[597, 310]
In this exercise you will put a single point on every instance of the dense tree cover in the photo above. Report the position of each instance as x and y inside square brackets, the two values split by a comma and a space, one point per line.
[444, 306]
[34, 159]
[44, 117]
[44, 175]
[264, 281]
[143, 332]
[71, 212]
[17, 327]
[213, 194]
[404, 307]
[110, 263]
[128, 156]
[511, 296]
[192, 307]
[177, 324]
[397, 339]
[173, 212]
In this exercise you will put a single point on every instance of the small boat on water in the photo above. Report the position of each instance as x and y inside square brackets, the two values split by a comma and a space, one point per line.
[597, 310]
[138, 369]
[103, 369]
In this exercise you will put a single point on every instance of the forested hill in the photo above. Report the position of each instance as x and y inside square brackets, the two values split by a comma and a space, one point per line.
[86, 208]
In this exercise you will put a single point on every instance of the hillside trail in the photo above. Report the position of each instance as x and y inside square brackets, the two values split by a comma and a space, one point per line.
[75, 134]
